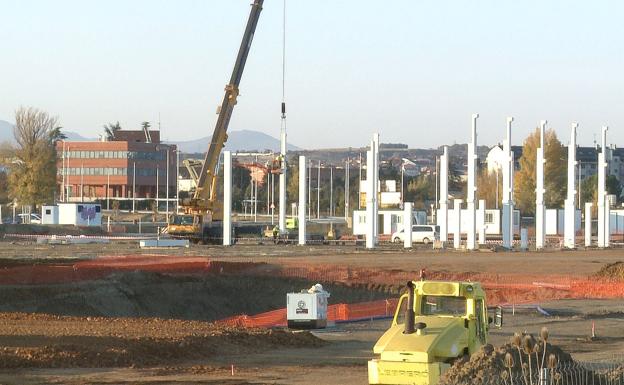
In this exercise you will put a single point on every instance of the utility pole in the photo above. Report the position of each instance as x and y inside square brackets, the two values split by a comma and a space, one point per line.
[82, 181]
[309, 189]
[346, 192]
[318, 192]
[167, 194]
[133, 187]
[360, 185]
[108, 188]
[177, 180]
[331, 191]
[63, 180]
[157, 186]
[268, 208]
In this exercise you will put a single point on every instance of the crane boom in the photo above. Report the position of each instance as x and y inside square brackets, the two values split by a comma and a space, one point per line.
[205, 194]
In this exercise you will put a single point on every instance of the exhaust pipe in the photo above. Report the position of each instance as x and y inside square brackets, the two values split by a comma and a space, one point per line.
[409, 312]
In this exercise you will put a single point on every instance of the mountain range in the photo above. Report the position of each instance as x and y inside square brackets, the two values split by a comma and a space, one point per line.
[242, 140]
[6, 134]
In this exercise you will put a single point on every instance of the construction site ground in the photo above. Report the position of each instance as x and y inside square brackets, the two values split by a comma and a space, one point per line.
[153, 326]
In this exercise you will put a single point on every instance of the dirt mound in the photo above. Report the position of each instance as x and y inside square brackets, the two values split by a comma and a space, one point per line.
[612, 271]
[30, 340]
[488, 365]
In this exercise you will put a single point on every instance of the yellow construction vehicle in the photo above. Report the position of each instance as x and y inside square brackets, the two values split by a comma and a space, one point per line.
[434, 324]
[203, 212]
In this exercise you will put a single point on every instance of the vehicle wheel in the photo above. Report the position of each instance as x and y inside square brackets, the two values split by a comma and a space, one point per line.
[426, 241]
[396, 240]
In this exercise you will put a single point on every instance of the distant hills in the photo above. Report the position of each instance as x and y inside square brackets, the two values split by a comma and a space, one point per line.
[6, 133]
[243, 140]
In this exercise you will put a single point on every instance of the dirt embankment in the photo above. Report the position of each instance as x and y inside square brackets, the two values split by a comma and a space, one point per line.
[522, 362]
[612, 271]
[147, 294]
[39, 340]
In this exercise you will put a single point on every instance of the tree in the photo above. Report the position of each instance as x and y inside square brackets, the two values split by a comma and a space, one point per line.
[111, 129]
[421, 191]
[487, 189]
[589, 188]
[554, 173]
[4, 192]
[33, 172]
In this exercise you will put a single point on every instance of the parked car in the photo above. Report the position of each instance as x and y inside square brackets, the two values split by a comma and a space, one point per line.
[34, 218]
[420, 234]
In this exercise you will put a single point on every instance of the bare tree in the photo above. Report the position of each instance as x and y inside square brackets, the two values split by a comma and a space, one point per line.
[32, 125]
[33, 172]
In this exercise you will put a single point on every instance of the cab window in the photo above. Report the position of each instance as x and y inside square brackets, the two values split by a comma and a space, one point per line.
[443, 305]
[480, 320]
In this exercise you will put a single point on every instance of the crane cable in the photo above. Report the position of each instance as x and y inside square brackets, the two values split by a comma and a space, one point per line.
[284, 62]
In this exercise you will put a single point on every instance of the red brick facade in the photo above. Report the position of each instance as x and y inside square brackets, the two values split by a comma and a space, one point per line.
[102, 170]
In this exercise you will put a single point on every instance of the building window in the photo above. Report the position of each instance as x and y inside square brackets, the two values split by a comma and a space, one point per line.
[489, 218]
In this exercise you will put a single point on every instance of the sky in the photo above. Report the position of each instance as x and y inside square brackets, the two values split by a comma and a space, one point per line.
[413, 70]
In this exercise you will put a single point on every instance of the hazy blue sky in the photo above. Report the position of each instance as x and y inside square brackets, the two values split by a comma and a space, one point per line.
[413, 70]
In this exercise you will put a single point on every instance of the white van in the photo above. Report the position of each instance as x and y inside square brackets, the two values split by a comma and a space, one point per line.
[32, 218]
[420, 234]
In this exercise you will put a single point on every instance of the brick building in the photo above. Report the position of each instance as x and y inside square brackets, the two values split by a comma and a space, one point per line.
[101, 170]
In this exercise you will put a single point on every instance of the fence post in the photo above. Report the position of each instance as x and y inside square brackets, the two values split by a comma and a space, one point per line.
[544, 376]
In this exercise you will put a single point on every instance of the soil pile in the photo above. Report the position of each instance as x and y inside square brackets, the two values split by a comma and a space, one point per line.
[488, 365]
[613, 271]
[41, 340]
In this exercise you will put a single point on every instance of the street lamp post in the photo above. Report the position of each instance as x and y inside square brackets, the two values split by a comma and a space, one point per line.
[167, 195]
[318, 192]
[133, 187]
[177, 180]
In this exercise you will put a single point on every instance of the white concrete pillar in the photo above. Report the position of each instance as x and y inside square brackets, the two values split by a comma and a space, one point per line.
[282, 184]
[303, 199]
[588, 223]
[370, 193]
[607, 241]
[569, 225]
[481, 222]
[507, 221]
[227, 198]
[524, 239]
[376, 188]
[457, 235]
[407, 225]
[471, 190]
[442, 217]
[602, 193]
[540, 209]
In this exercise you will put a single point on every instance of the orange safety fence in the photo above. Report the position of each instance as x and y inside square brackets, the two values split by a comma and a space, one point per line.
[498, 294]
[337, 313]
[500, 288]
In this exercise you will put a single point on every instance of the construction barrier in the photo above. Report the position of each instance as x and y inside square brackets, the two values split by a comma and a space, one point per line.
[341, 312]
[500, 288]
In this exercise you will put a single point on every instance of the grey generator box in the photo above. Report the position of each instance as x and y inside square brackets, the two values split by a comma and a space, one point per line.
[307, 309]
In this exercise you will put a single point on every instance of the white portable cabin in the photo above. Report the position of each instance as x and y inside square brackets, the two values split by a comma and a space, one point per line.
[491, 222]
[616, 218]
[49, 215]
[390, 221]
[555, 221]
[80, 214]
[307, 309]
